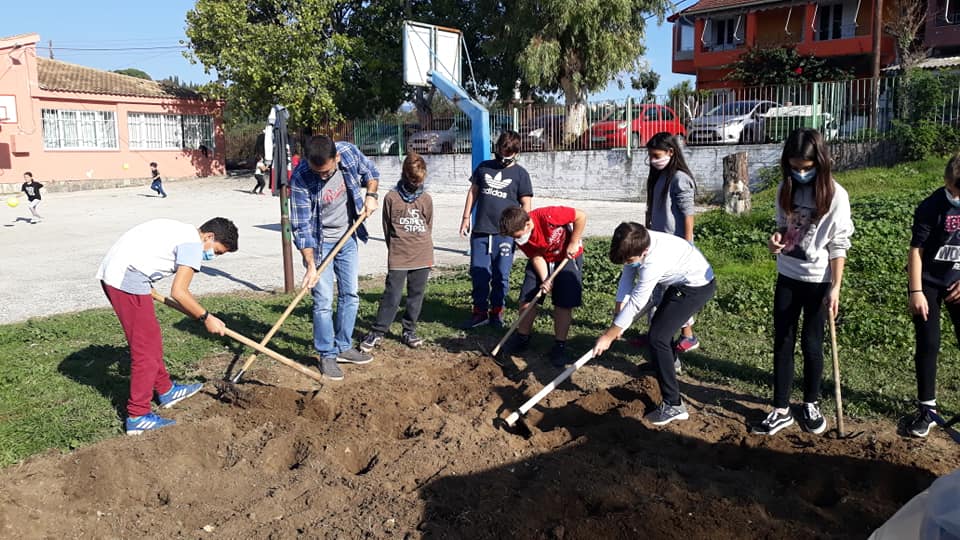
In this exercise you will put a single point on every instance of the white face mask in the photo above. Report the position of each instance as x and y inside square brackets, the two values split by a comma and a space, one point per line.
[524, 239]
[660, 163]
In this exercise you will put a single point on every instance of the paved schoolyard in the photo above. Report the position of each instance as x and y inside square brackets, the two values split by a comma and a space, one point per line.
[50, 267]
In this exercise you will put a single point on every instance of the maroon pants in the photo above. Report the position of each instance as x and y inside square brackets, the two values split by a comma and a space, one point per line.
[148, 374]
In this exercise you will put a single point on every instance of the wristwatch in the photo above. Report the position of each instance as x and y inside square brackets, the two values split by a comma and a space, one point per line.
[203, 317]
[375, 195]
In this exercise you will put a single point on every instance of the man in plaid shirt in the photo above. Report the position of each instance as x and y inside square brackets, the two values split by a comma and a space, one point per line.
[325, 201]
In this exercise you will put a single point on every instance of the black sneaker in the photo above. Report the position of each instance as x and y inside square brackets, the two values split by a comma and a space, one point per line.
[811, 420]
[773, 423]
[558, 355]
[666, 413]
[353, 356]
[478, 318]
[330, 369]
[370, 341]
[410, 339]
[515, 345]
[920, 425]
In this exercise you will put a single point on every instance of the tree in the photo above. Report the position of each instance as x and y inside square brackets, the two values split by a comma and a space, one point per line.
[133, 72]
[646, 80]
[910, 17]
[577, 47]
[272, 51]
[782, 65]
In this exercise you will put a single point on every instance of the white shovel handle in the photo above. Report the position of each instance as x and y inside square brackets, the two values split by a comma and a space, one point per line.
[512, 419]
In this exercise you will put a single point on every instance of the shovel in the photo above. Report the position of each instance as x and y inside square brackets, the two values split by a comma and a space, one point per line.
[323, 265]
[526, 311]
[245, 340]
[550, 387]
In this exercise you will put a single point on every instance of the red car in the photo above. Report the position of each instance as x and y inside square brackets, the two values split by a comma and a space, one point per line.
[648, 119]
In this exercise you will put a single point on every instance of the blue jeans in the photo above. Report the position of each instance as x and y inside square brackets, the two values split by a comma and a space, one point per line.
[333, 334]
[491, 257]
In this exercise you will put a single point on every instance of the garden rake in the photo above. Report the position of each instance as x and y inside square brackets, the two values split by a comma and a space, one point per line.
[526, 311]
[244, 340]
[293, 304]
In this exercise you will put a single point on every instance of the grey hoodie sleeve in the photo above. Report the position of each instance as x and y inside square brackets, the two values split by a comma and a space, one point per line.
[682, 191]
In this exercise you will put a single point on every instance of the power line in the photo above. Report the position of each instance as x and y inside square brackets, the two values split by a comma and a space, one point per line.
[115, 49]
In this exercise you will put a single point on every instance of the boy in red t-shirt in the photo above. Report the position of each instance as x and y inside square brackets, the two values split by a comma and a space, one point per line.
[547, 236]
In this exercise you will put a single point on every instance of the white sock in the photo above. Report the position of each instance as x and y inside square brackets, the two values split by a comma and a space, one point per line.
[932, 403]
[783, 411]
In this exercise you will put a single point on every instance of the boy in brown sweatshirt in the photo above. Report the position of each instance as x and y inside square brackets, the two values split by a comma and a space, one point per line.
[407, 229]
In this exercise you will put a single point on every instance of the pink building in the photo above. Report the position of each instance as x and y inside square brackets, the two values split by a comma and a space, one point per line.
[65, 122]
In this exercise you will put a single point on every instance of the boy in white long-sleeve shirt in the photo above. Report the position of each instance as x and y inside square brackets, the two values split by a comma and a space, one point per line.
[650, 259]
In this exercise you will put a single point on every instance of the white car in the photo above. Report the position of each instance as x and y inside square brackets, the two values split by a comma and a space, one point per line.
[780, 121]
[732, 123]
[437, 141]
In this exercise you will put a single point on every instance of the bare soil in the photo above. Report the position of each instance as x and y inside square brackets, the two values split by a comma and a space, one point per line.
[407, 447]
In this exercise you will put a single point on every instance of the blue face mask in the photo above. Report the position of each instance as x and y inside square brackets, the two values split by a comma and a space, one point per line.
[209, 255]
[637, 264]
[954, 201]
[804, 177]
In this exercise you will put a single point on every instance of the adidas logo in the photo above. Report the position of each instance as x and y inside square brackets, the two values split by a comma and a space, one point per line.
[497, 182]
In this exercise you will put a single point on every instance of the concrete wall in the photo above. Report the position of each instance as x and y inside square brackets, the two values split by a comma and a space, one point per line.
[608, 175]
[603, 175]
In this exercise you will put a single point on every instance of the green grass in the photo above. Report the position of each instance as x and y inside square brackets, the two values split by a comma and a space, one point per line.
[63, 379]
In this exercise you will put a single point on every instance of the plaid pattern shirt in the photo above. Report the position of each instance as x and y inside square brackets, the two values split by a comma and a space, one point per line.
[306, 208]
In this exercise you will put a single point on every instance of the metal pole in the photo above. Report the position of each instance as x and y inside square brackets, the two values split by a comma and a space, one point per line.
[875, 87]
[280, 164]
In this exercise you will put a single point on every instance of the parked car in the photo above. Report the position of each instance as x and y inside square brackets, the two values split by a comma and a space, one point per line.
[447, 139]
[648, 119]
[732, 123]
[383, 139]
[542, 133]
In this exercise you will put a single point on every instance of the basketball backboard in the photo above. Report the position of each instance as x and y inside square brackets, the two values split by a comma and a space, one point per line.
[428, 47]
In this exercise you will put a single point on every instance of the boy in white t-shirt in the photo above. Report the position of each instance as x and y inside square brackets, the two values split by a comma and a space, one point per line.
[144, 255]
[652, 259]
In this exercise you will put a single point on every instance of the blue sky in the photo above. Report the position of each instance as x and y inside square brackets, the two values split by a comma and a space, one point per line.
[145, 35]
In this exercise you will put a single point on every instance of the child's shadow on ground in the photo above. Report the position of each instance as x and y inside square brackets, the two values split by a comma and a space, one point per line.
[103, 367]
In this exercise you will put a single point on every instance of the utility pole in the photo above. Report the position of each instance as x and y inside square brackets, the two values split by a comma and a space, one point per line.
[50, 48]
[875, 82]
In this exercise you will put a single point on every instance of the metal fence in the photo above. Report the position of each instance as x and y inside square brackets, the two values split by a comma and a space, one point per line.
[842, 111]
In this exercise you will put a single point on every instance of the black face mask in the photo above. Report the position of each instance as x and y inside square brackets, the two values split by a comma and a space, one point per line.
[507, 161]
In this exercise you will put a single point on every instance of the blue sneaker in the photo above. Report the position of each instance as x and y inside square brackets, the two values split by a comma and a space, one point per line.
[135, 425]
[178, 393]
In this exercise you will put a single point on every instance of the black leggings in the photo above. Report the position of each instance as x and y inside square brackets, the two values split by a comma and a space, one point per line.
[679, 303]
[261, 183]
[790, 298]
[928, 340]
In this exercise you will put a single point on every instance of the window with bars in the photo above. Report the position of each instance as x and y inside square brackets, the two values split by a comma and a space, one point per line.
[65, 129]
[154, 131]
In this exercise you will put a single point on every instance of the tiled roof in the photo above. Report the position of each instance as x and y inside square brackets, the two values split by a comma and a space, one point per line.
[704, 6]
[60, 76]
[931, 63]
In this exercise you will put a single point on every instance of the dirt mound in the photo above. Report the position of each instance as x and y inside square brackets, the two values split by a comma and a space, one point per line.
[406, 447]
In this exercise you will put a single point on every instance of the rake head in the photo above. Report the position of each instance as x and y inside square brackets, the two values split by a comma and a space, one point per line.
[228, 392]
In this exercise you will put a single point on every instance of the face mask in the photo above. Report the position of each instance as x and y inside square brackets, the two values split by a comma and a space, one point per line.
[209, 255]
[523, 239]
[954, 201]
[660, 163]
[507, 161]
[637, 264]
[804, 177]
